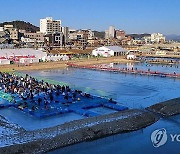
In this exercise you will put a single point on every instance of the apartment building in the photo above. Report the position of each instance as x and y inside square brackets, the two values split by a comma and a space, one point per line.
[110, 33]
[65, 31]
[55, 39]
[157, 38]
[120, 34]
[50, 26]
[14, 33]
[38, 36]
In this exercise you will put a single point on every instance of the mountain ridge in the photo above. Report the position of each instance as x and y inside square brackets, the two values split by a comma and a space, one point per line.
[21, 25]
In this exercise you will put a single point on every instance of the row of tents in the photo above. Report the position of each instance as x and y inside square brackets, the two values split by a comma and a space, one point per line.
[26, 55]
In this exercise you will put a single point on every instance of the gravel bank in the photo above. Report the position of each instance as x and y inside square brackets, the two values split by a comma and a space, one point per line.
[84, 130]
[167, 108]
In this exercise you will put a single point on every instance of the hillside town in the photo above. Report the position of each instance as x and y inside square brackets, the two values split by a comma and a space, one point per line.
[53, 34]
[61, 43]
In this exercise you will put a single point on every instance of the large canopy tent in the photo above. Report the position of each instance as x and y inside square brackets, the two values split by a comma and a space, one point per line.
[28, 60]
[55, 58]
[107, 51]
[4, 61]
[10, 53]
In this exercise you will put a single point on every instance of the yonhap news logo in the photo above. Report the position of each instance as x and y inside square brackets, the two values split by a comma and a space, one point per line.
[159, 137]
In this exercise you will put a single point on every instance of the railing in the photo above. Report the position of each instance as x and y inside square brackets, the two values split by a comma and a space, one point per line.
[140, 72]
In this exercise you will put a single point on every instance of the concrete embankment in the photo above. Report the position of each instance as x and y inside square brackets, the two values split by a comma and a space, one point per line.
[167, 108]
[87, 129]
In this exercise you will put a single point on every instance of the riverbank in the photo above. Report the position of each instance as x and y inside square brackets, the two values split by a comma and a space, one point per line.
[61, 64]
[35, 66]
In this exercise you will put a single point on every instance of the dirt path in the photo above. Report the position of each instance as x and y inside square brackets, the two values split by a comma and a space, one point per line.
[61, 64]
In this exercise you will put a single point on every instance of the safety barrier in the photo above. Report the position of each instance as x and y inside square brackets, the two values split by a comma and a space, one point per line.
[140, 72]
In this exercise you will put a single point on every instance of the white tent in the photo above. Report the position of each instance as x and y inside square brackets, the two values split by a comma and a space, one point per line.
[131, 56]
[34, 60]
[55, 58]
[28, 60]
[8, 53]
[65, 57]
[107, 51]
[162, 53]
[24, 60]
[4, 61]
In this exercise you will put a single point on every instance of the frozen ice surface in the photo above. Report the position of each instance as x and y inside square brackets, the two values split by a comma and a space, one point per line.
[32, 123]
[134, 91]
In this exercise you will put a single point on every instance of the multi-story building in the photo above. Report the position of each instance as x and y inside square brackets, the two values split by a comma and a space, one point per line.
[22, 31]
[58, 39]
[106, 34]
[65, 31]
[81, 37]
[27, 40]
[1, 29]
[8, 27]
[14, 33]
[73, 36]
[111, 32]
[90, 34]
[32, 39]
[93, 42]
[147, 39]
[120, 34]
[157, 38]
[55, 39]
[4, 37]
[38, 36]
[50, 26]
[127, 41]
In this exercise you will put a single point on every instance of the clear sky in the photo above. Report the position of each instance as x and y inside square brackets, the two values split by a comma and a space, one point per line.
[133, 16]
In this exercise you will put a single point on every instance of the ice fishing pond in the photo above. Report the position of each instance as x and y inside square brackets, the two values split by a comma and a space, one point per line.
[133, 91]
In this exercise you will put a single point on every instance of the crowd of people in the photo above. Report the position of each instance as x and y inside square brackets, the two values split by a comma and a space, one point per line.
[39, 93]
